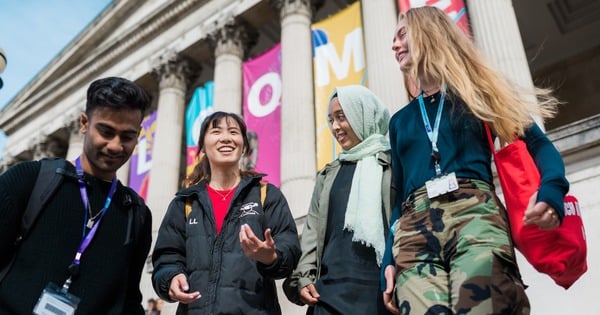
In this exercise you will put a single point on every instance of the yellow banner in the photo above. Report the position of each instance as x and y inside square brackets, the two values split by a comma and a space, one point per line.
[339, 59]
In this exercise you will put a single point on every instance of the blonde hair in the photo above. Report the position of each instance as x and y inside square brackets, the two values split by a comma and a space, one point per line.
[442, 53]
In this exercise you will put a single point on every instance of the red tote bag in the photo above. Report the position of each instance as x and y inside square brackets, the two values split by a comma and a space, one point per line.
[560, 253]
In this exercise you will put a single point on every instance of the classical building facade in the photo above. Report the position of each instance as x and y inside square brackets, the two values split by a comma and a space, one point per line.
[170, 47]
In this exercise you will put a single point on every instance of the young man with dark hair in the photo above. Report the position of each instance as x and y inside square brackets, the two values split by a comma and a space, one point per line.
[85, 250]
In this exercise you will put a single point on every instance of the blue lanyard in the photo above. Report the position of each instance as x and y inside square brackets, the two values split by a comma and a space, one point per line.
[87, 239]
[432, 133]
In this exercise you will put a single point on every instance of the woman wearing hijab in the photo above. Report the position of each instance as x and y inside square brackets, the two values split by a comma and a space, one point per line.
[344, 236]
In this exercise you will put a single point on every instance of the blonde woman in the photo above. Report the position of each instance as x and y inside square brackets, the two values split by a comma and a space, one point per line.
[451, 247]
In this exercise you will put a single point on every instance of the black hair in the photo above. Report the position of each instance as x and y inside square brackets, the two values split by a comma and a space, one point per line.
[116, 93]
[202, 169]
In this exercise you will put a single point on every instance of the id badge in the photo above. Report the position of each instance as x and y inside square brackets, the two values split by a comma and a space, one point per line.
[55, 302]
[441, 185]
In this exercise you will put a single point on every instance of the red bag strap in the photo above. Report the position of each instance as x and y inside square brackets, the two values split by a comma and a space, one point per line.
[489, 137]
[490, 141]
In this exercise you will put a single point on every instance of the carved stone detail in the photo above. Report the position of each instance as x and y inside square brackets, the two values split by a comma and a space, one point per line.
[172, 71]
[235, 37]
[49, 147]
[288, 7]
[72, 125]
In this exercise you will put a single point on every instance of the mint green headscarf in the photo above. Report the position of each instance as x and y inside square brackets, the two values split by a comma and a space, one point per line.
[369, 120]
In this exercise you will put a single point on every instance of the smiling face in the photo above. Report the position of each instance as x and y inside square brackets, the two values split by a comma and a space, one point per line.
[340, 127]
[400, 46]
[110, 136]
[223, 143]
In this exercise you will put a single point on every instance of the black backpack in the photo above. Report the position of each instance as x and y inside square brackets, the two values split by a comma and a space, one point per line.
[49, 179]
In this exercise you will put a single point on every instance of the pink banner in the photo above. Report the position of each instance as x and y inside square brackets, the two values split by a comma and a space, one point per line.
[262, 112]
[454, 8]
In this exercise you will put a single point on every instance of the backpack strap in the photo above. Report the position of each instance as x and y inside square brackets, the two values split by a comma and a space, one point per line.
[263, 196]
[188, 206]
[47, 182]
[49, 178]
[136, 217]
[263, 193]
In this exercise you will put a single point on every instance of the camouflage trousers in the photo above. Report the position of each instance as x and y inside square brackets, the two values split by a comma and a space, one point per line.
[454, 255]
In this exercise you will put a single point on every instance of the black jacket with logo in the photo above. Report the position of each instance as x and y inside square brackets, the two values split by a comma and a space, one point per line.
[215, 265]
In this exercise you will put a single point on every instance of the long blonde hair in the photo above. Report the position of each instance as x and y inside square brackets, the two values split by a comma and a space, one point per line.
[441, 52]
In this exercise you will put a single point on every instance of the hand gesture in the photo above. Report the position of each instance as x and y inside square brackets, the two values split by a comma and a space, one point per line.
[256, 249]
[178, 290]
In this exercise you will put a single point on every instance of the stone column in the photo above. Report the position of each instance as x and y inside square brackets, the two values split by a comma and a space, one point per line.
[298, 152]
[172, 73]
[383, 72]
[75, 138]
[496, 32]
[230, 42]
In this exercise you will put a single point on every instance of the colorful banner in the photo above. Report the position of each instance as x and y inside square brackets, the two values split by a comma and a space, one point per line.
[262, 113]
[141, 159]
[338, 59]
[200, 106]
[454, 8]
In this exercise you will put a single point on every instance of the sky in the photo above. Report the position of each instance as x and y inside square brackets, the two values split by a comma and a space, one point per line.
[33, 32]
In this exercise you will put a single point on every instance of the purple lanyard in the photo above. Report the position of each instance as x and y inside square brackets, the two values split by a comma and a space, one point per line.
[87, 239]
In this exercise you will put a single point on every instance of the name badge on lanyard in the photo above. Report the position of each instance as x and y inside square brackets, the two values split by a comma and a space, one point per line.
[55, 300]
[440, 184]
